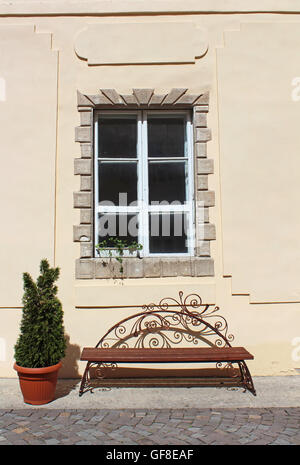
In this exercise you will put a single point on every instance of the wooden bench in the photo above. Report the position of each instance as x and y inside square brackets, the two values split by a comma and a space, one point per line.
[153, 337]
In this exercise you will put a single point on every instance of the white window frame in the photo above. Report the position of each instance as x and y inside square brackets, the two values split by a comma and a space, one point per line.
[143, 208]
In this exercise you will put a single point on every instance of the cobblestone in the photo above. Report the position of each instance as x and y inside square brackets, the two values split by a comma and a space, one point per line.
[151, 427]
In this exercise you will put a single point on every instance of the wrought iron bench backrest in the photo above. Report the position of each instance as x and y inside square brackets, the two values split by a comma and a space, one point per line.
[161, 326]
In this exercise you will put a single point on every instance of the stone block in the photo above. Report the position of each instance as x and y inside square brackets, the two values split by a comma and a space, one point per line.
[206, 231]
[169, 267]
[156, 100]
[205, 166]
[86, 150]
[82, 166]
[203, 266]
[200, 120]
[187, 99]
[86, 216]
[152, 267]
[184, 267]
[100, 99]
[83, 134]
[202, 182]
[143, 96]
[173, 95]
[134, 267]
[113, 95]
[103, 268]
[200, 149]
[203, 248]
[82, 233]
[82, 199]
[205, 198]
[202, 214]
[202, 134]
[130, 100]
[86, 183]
[86, 250]
[83, 101]
[84, 268]
[86, 118]
[203, 99]
[200, 108]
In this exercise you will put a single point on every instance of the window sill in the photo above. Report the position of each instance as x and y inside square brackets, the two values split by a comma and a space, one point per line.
[107, 268]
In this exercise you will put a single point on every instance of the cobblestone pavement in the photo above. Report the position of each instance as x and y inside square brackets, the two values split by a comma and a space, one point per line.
[189, 427]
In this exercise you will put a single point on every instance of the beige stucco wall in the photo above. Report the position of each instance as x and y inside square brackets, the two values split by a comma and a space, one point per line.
[248, 69]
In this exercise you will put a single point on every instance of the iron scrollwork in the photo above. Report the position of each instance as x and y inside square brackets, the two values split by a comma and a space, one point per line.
[186, 321]
[161, 326]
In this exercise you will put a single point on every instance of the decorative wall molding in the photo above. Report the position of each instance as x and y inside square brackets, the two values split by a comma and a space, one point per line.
[141, 43]
[89, 267]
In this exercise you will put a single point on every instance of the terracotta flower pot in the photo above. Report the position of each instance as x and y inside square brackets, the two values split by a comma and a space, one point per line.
[38, 384]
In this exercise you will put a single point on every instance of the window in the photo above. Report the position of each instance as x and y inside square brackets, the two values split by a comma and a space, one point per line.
[144, 190]
[144, 171]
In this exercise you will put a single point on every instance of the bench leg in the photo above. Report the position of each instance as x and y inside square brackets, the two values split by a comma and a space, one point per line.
[246, 378]
[85, 380]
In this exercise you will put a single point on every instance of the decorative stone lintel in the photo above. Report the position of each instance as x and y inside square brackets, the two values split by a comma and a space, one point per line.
[143, 96]
[203, 99]
[173, 96]
[187, 99]
[113, 96]
[83, 101]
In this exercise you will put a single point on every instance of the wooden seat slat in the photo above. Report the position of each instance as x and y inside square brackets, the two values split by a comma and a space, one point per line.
[199, 354]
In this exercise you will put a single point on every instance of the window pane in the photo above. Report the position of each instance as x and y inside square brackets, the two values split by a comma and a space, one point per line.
[117, 182]
[166, 136]
[167, 233]
[117, 225]
[117, 137]
[167, 182]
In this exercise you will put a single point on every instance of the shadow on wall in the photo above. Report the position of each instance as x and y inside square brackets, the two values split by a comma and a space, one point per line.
[69, 367]
[69, 375]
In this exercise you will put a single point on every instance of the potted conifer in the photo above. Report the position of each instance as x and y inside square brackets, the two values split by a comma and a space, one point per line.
[41, 344]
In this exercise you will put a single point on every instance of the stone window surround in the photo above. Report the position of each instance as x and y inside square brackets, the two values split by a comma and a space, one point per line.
[89, 267]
